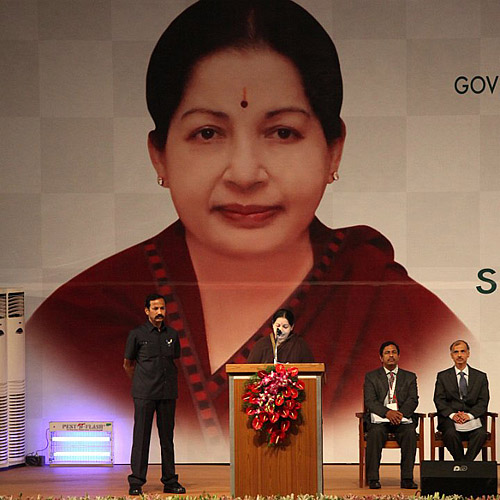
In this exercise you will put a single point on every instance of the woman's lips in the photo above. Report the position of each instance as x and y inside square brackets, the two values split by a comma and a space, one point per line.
[248, 215]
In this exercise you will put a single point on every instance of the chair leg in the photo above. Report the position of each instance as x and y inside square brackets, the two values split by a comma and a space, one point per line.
[361, 466]
[484, 453]
[441, 453]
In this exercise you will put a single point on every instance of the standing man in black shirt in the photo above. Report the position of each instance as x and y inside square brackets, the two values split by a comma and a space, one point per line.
[149, 361]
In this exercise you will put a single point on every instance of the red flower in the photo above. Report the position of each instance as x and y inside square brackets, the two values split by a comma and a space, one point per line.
[287, 393]
[250, 411]
[293, 371]
[293, 414]
[274, 417]
[279, 400]
[274, 438]
[262, 373]
[277, 436]
[294, 392]
[285, 425]
[257, 424]
[298, 405]
[280, 368]
[290, 404]
[284, 412]
[300, 385]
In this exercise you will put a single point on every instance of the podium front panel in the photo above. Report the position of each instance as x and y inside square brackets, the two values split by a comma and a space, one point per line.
[258, 469]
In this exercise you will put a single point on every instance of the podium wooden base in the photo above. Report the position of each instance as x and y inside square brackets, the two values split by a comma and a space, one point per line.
[296, 467]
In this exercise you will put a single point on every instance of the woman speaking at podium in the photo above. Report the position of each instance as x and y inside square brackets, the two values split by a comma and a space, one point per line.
[281, 345]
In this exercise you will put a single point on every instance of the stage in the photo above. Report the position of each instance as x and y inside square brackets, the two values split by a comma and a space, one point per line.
[212, 479]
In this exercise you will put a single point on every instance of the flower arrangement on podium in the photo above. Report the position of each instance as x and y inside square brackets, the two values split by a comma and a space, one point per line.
[273, 401]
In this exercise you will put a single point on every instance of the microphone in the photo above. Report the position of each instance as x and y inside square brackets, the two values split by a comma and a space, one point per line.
[278, 334]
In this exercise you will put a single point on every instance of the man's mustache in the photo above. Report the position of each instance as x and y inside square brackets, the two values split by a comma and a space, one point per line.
[159, 316]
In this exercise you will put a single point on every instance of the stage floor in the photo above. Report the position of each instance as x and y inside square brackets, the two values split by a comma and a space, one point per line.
[214, 479]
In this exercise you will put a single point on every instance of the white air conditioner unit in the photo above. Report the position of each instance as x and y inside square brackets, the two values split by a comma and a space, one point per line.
[16, 377]
[4, 416]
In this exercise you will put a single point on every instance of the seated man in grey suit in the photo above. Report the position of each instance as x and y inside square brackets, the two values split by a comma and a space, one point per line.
[461, 397]
[391, 398]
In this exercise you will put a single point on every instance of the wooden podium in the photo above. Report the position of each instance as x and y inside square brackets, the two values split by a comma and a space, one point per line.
[257, 469]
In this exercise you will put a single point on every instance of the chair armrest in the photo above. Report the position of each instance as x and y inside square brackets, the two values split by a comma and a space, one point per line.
[492, 414]
[432, 415]
[359, 414]
[421, 420]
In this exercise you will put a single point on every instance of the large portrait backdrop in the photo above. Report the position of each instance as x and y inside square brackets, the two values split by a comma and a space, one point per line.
[420, 165]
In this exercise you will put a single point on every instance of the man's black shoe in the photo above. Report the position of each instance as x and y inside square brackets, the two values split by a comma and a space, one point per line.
[176, 488]
[135, 490]
[409, 484]
[374, 484]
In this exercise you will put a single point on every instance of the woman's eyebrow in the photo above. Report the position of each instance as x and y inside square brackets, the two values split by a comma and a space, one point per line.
[225, 116]
[290, 109]
[205, 111]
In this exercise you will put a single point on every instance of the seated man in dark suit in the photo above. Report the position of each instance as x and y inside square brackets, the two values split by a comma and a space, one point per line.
[461, 397]
[391, 398]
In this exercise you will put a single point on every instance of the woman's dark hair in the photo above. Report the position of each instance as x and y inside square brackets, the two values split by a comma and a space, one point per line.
[284, 313]
[209, 26]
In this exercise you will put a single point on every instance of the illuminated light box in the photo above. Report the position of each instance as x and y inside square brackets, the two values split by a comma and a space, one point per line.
[81, 443]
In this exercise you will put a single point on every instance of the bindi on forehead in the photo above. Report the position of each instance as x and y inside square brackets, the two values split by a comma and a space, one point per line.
[244, 102]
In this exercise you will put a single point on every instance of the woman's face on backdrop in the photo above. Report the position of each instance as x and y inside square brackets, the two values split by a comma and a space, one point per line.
[246, 159]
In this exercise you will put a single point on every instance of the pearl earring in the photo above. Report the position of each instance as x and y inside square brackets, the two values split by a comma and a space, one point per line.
[160, 181]
[336, 176]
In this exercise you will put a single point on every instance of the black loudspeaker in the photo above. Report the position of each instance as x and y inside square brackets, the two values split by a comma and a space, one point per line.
[469, 479]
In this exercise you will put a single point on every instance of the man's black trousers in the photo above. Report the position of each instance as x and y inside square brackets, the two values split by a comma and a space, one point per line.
[453, 440]
[143, 422]
[376, 438]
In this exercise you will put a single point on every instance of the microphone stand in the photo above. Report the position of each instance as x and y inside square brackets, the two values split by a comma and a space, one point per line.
[278, 332]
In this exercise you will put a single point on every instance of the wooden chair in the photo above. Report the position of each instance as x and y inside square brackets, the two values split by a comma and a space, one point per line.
[390, 443]
[489, 421]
